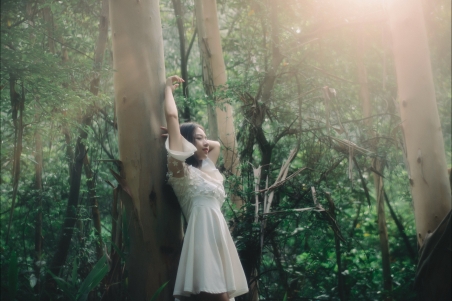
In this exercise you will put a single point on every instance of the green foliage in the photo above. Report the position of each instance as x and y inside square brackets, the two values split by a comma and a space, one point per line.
[76, 292]
[158, 291]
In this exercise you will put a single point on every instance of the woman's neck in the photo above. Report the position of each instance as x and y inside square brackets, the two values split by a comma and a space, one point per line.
[199, 164]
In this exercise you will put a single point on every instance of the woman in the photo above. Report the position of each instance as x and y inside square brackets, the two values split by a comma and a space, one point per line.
[209, 266]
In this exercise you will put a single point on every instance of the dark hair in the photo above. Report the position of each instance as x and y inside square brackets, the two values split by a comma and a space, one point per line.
[187, 130]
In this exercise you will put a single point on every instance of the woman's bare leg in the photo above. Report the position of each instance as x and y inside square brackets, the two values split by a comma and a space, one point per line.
[212, 297]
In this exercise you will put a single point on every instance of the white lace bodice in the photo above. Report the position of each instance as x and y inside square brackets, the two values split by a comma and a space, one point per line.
[197, 187]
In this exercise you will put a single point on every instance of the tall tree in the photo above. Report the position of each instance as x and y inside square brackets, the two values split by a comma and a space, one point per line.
[424, 145]
[179, 12]
[153, 215]
[378, 165]
[17, 108]
[38, 204]
[221, 120]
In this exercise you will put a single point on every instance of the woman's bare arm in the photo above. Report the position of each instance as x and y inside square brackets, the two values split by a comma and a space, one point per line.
[171, 115]
[214, 150]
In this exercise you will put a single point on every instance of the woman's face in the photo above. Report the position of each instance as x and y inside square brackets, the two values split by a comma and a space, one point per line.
[201, 143]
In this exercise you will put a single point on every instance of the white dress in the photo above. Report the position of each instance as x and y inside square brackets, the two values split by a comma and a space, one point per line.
[209, 261]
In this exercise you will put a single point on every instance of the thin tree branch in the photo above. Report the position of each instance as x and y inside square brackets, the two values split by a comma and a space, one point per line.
[332, 75]
[401, 229]
[66, 45]
[287, 131]
[363, 183]
[191, 44]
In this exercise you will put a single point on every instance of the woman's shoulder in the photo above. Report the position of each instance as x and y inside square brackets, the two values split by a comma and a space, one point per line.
[209, 168]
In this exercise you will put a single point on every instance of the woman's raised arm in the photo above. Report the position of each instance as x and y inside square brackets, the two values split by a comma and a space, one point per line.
[172, 119]
[214, 150]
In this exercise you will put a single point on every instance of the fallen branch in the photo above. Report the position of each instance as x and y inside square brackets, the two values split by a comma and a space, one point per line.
[293, 211]
[280, 183]
[281, 177]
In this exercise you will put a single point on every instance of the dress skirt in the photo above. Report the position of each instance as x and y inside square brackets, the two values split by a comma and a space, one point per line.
[209, 261]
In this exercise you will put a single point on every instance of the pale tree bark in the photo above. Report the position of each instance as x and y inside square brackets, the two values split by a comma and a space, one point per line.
[210, 56]
[221, 122]
[179, 12]
[154, 221]
[424, 144]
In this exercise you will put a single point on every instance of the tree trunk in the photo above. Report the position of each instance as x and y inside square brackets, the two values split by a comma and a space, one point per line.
[426, 160]
[337, 245]
[362, 77]
[210, 56]
[154, 221]
[221, 122]
[378, 165]
[38, 204]
[101, 44]
[71, 211]
[64, 241]
[94, 206]
[17, 104]
[48, 20]
[424, 144]
[178, 11]
[265, 90]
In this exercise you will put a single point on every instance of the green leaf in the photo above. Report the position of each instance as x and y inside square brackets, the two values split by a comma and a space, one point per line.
[158, 292]
[33, 280]
[93, 279]
[67, 288]
[13, 275]
[121, 254]
[285, 297]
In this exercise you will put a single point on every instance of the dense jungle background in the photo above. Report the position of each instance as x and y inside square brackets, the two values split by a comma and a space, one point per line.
[319, 201]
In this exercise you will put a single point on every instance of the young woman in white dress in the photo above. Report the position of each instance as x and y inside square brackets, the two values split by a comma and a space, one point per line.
[209, 266]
